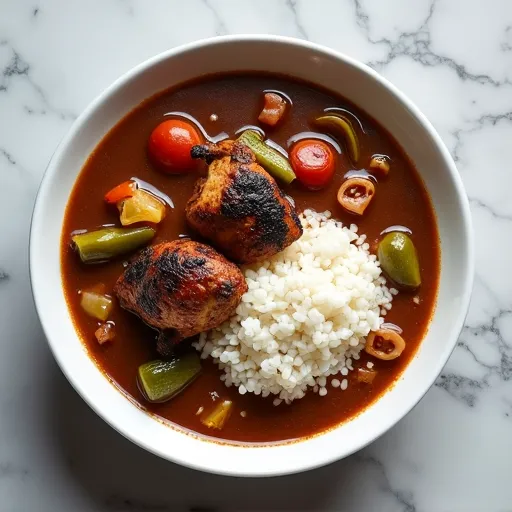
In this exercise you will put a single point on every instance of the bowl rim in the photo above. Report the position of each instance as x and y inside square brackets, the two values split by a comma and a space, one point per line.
[468, 238]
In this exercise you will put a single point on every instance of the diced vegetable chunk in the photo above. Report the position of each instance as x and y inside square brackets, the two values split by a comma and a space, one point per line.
[399, 259]
[96, 305]
[385, 344]
[366, 376]
[141, 207]
[355, 194]
[269, 158]
[380, 163]
[105, 332]
[105, 244]
[273, 110]
[121, 192]
[160, 380]
[341, 126]
[218, 417]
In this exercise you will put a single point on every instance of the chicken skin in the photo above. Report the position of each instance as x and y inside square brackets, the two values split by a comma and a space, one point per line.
[239, 207]
[181, 288]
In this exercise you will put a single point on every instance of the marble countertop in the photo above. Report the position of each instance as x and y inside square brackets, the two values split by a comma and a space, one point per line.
[453, 452]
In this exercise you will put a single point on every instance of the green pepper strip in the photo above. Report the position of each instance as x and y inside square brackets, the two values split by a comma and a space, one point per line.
[160, 380]
[342, 126]
[107, 243]
[269, 158]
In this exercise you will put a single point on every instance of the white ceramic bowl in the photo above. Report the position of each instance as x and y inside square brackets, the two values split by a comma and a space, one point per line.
[342, 75]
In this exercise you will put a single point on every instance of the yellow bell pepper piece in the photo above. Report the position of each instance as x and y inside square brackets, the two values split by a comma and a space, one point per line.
[141, 207]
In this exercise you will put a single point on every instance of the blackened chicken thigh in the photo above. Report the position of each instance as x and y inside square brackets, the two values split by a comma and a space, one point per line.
[239, 208]
[181, 288]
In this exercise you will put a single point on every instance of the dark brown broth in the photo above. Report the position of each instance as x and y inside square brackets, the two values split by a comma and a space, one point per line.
[400, 200]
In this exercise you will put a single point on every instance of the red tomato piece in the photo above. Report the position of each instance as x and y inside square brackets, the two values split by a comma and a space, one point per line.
[170, 144]
[313, 162]
[273, 109]
[121, 192]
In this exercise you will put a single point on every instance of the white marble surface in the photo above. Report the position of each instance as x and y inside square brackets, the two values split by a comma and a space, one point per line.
[454, 59]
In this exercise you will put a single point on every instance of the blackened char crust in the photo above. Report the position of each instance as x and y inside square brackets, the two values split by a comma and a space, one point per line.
[251, 195]
[136, 270]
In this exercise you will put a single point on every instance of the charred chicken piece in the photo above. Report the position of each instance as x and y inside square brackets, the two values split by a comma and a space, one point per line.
[180, 288]
[239, 206]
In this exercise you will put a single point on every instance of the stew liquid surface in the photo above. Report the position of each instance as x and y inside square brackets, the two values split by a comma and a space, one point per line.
[400, 199]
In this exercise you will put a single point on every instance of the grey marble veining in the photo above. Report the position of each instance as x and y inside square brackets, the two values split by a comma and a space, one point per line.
[453, 451]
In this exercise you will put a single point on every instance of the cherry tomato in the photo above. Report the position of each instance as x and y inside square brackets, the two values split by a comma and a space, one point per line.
[170, 144]
[313, 162]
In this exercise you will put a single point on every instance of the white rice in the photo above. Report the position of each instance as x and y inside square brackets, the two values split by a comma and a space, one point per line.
[305, 316]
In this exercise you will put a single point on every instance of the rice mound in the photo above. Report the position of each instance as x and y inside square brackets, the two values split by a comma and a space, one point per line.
[305, 316]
